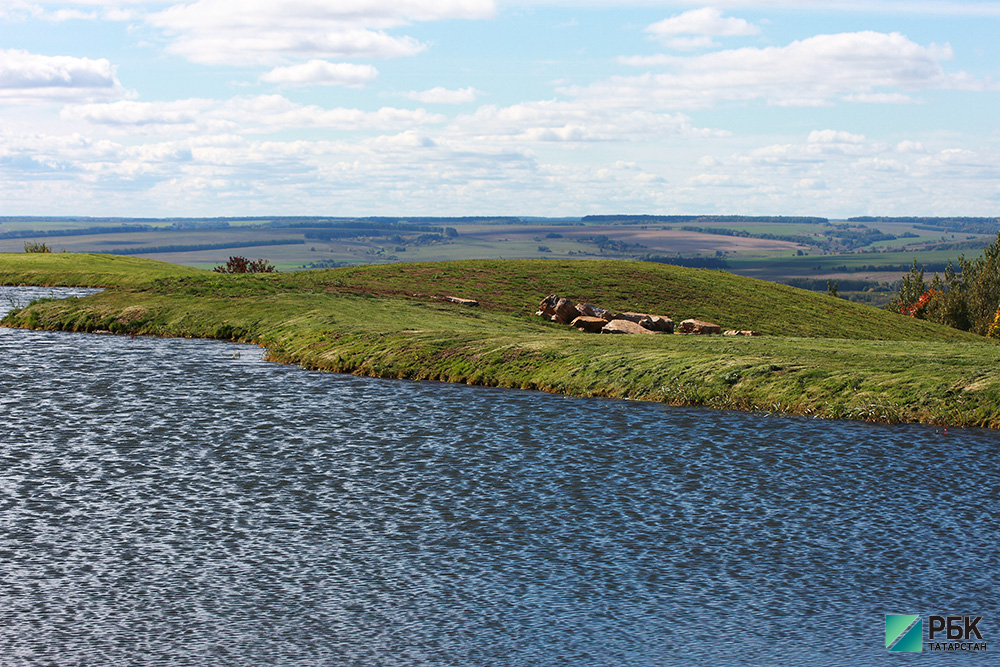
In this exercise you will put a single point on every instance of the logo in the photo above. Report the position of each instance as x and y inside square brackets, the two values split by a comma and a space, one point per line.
[905, 632]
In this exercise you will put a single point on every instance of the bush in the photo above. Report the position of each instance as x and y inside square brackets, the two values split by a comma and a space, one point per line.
[244, 265]
[32, 246]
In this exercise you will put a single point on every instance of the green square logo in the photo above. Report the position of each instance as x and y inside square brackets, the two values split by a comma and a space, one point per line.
[904, 632]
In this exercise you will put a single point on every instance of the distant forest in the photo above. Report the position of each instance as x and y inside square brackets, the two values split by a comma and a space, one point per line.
[953, 225]
[679, 219]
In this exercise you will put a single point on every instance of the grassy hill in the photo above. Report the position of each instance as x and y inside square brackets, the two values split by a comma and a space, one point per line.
[729, 300]
[819, 356]
[85, 270]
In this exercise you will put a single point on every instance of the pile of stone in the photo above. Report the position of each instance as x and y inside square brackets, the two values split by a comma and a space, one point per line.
[594, 319]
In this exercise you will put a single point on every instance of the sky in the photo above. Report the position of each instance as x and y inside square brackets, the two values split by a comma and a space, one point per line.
[833, 108]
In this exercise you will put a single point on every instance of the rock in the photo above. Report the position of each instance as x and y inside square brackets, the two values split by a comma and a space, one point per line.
[658, 323]
[625, 327]
[699, 327]
[630, 317]
[558, 309]
[566, 312]
[744, 332]
[590, 310]
[548, 305]
[461, 301]
[588, 324]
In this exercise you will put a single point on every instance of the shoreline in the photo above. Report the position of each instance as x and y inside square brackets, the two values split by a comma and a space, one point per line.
[325, 321]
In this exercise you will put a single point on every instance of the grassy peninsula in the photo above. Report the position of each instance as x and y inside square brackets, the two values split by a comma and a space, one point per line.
[819, 355]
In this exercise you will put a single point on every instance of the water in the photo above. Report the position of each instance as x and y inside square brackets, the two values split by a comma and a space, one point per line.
[183, 502]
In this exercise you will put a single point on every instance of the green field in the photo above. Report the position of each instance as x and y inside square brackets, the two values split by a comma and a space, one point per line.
[775, 251]
[820, 356]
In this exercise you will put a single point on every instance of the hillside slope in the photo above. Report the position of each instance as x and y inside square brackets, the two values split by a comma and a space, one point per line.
[85, 270]
[729, 300]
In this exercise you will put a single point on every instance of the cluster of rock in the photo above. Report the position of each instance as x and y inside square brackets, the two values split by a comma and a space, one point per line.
[594, 319]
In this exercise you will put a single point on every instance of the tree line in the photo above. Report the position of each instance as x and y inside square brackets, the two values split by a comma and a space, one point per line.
[966, 297]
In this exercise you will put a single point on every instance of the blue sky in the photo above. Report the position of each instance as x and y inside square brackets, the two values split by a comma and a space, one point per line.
[479, 107]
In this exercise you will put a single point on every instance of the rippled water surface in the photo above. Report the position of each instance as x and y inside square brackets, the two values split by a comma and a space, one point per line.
[182, 502]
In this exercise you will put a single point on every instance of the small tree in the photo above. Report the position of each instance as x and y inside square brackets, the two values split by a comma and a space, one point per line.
[244, 265]
[912, 288]
[32, 246]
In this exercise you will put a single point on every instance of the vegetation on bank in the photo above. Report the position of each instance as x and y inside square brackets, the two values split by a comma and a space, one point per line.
[821, 356]
[966, 299]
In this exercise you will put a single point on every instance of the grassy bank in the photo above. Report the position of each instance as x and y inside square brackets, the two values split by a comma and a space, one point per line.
[85, 270]
[821, 356]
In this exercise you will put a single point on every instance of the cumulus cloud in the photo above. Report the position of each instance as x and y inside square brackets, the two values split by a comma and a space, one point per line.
[556, 121]
[440, 95]
[264, 32]
[834, 137]
[322, 73]
[708, 21]
[137, 114]
[27, 76]
[816, 71]
[270, 113]
[844, 173]
[251, 114]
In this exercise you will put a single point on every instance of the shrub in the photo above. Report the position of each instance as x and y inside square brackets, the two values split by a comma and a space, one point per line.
[32, 246]
[244, 265]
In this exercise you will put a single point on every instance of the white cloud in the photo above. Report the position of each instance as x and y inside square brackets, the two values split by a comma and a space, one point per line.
[555, 121]
[837, 173]
[696, 43]
[908, 146]
[815, 71]
[262, 32]
[440, 95]
[252, 114]
[135, 114]
[273, 113]
[61, 15]
[707, 22]
[30, 77]
[834, 137]
[883, 7]
[322, 73]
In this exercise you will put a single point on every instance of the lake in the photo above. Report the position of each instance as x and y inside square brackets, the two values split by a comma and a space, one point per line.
[184, 502]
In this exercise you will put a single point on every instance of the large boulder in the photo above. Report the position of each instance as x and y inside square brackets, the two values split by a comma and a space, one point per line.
[590, 310]
[651, 322]
[630, 317]
[658, 323]
[625, 327]
[588, 324]
[699, 327]
[558, 309]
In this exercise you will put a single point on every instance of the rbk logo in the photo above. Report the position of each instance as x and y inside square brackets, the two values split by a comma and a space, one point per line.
[904, 632]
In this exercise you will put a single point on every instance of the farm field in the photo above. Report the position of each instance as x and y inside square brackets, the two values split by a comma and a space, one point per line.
[867, 255]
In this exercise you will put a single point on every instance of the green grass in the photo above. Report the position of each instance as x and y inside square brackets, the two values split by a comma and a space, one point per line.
[823, 356]
[84, 270]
